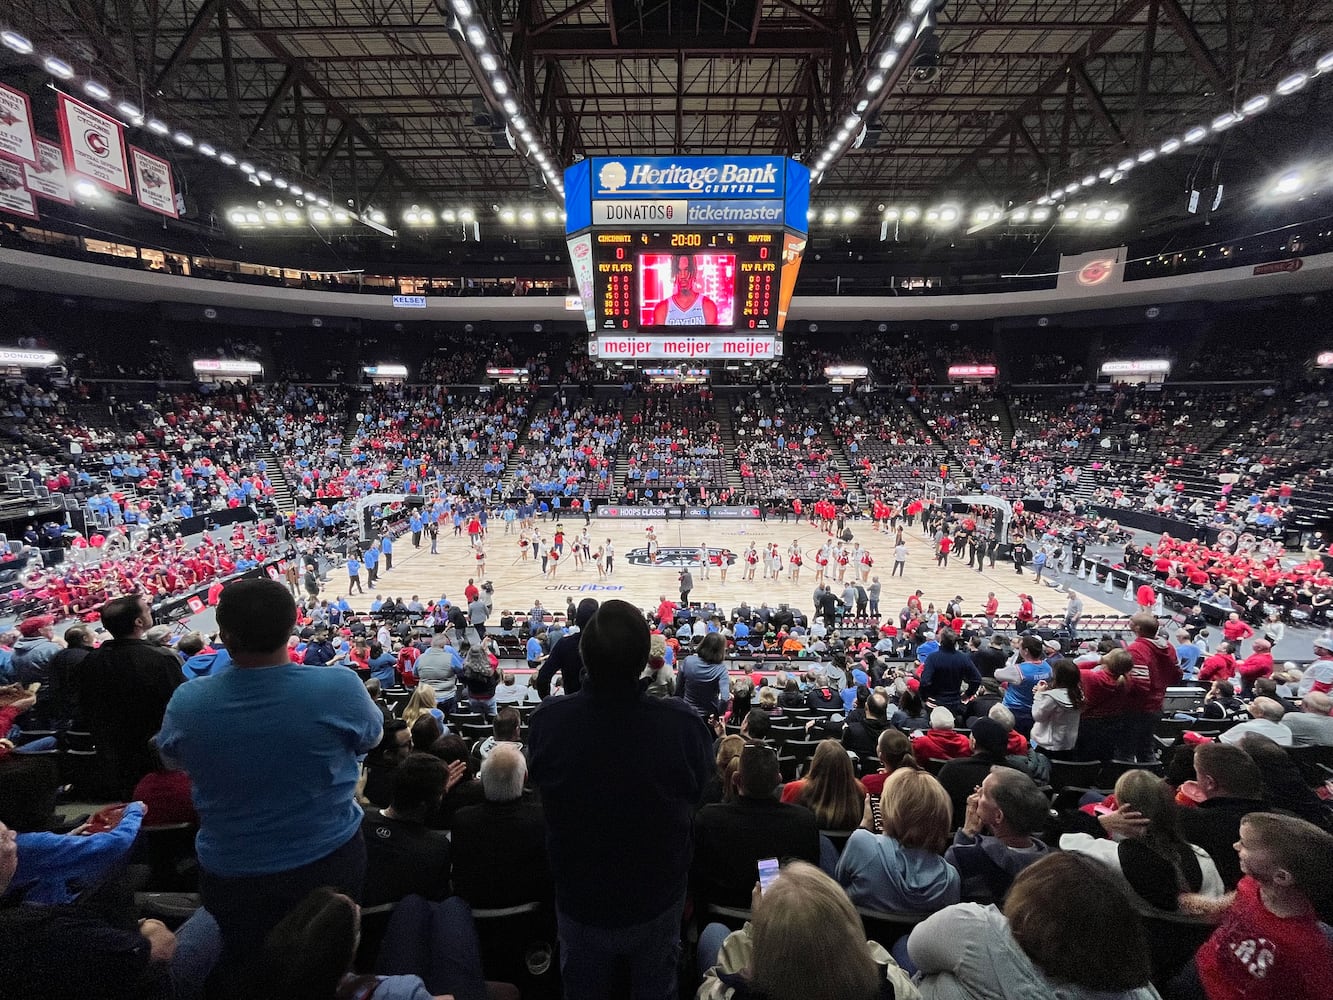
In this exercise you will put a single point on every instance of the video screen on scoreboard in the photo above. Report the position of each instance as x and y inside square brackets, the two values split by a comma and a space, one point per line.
[720, 281]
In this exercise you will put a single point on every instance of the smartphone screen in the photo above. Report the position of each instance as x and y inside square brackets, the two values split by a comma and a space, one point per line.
[768, 871]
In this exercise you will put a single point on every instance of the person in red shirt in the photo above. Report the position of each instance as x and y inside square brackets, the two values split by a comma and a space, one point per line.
[1156, 668]
[1236, 631]
[941, 741]
[1258, 664]
[991, 609]
[1221, 666]
[942, 552]
[1268, 944]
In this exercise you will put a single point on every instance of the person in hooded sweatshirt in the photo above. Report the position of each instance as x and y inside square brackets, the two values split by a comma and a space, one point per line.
[996, 840]
[564, 657]
[1033, 947]
[942, 741]
[1056, 705]
[702, 678]
[1154, 662]
[902, 871]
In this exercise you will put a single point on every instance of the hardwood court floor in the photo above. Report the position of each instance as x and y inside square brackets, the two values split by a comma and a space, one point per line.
[519, 582]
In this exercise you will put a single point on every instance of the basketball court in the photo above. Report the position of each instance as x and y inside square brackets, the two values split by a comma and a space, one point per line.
[518, 582]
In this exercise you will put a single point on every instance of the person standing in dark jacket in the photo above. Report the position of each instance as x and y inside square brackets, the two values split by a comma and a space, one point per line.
[64, 676]
[124, 689]
[615, 766]
[564, 657]
[946, 671]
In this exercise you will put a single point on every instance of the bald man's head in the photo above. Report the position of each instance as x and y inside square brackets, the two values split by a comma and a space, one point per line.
[1317, 703]
[1266, 708]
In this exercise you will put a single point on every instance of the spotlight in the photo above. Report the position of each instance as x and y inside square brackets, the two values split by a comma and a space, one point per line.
[949, 214]
[427, 217]
[466, 215]
[1290, 84]
[1197, 134]
[850, 214]
[488, 62]
[129, 111]
[1147, 156]
[247, 168]
[1255, 104]
[236, 216]
[1169, 147]
[157, 127]
[1288, 184]
[1041, 214]
[448, 216]
[888, 59]
[1070, 214]
[1224, 121]
[1019, 215]
[892, 215]
[228, 159]
[476, 36]
[528, 216]
[58, 67]
[15, 42]
[1113, 214]
[292, 216]
[1093, 213]
[412, 216]
[87, 190]
[252, 218]
[903, 34]
[271, 215]
[462, 8]
[96, 91]
[183, 139]
[911, 214]
[508, 215]
[830, 216]
[874, 83]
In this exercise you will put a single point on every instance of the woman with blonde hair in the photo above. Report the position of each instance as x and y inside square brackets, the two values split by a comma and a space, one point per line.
[1145, 844]
[659, 680]
[804, 941]
[829, 789]
[1108, 691]
[421, 703]
[768, 701]
[721, 786]
[902, 870]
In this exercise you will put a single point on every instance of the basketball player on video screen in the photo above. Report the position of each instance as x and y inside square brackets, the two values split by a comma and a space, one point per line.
[686, 307]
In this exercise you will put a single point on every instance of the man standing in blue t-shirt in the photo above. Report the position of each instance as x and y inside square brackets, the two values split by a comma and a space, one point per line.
[1022, 678]
[271, 748]
[354, 575]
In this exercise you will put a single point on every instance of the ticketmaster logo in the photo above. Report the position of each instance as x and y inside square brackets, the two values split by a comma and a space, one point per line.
[714, 211]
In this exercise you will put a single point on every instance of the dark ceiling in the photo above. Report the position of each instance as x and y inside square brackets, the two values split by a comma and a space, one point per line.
[382, 102]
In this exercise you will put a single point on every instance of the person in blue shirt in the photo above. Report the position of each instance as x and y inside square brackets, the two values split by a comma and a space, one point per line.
[372, 558]
[415, 526]
[1189, 654]
[386, 547]
[535, 651]
[381, 665]
[272, 751]
[1022, 679]
[354, 575]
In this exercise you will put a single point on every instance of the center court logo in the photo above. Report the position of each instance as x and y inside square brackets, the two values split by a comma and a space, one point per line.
[679, 558]
[612, 176]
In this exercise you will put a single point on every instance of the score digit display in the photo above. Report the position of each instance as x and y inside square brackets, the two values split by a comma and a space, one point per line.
[714, 281]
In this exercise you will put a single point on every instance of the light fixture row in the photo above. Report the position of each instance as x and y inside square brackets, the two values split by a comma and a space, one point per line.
[910, 23]
[474, 31]
[261, 216]
[1114, 173]
[948, 215]
[133, 116]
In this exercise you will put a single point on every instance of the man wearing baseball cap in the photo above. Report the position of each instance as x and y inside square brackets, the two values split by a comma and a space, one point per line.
[1318, 675]
[32, 660]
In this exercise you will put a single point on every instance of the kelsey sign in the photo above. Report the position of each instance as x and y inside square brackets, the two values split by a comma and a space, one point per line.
[659, 177]
[654, 348]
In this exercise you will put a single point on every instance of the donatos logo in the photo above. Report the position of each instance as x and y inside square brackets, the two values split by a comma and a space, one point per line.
[680, 558]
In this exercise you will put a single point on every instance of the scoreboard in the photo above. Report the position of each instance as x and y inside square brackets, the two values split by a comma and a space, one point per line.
[659, 277]
[739, 273]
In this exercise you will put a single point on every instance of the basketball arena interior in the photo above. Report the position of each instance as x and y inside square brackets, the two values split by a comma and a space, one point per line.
[666, 499]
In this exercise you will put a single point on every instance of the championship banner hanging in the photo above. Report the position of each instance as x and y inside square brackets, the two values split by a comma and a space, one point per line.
[48, 179]
[152, 182]
[14, 194]
[16, 137]
[94, 144]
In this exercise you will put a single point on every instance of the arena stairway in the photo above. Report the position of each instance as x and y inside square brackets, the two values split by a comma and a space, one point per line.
[543, 402]
[726, 433]
[283, 493]
[631, 406]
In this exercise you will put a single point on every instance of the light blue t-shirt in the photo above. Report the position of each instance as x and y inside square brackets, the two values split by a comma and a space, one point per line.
[272, 755]
[1020, 695]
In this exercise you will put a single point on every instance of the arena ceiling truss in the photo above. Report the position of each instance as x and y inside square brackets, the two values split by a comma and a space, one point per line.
[383, 101]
